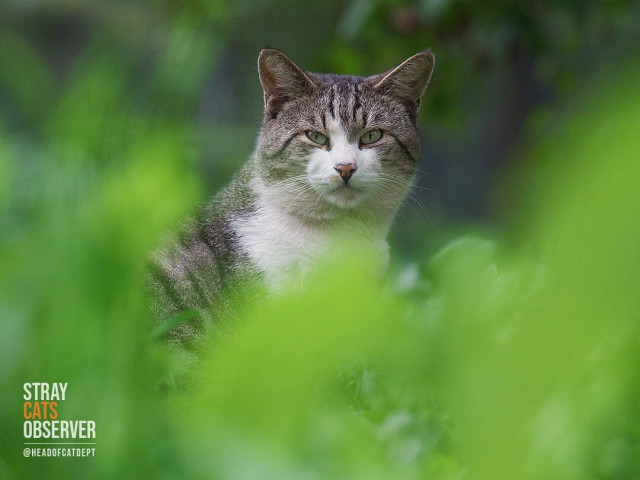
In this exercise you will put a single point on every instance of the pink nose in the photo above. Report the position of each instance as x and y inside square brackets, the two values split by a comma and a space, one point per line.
[345, 170]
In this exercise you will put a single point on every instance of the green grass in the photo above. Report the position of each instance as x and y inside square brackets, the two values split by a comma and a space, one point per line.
[498, 359]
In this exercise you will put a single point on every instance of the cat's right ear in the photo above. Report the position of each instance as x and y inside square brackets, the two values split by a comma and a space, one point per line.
[281, 80]
[409, 80]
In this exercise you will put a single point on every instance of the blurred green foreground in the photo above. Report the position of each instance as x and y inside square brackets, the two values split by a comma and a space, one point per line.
[491, 359]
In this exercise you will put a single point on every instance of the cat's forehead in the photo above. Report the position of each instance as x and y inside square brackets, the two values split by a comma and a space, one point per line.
[342, 85]
[330, 79]
[346, 100]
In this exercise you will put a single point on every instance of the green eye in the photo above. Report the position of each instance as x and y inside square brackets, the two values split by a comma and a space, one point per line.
[372, 136]
[317, 137]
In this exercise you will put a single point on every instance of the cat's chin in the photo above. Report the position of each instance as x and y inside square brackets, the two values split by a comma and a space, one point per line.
[345, 196]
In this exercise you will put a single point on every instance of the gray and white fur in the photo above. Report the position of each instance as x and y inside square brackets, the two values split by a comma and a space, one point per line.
[336, 155]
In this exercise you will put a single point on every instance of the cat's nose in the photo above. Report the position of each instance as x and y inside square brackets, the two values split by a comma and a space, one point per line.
[345, 170]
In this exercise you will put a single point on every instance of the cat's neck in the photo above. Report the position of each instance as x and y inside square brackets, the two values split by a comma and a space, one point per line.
[285, 245]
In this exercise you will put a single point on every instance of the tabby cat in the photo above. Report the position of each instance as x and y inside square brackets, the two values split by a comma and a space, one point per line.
[335, 154]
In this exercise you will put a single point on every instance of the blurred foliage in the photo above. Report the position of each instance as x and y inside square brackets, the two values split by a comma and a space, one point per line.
[512, 355]
[176, 44]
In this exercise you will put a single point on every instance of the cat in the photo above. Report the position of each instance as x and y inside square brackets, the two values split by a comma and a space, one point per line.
[335, 154]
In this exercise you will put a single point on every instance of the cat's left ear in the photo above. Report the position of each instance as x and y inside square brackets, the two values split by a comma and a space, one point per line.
[281, 80]
[409, 80]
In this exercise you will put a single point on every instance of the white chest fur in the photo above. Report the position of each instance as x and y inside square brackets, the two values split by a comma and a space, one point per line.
[284, 247]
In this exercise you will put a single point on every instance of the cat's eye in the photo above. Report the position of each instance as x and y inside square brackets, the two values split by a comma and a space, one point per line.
[317, 137]
[372, 136]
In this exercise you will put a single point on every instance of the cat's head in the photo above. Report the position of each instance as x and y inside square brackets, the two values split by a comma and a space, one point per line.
[330, 143]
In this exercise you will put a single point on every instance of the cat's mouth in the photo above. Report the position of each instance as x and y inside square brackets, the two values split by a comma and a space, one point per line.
[346, 190]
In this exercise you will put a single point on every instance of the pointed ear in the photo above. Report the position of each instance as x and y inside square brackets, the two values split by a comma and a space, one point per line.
[409, 80]
[281, 79]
